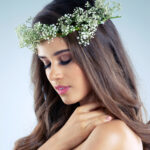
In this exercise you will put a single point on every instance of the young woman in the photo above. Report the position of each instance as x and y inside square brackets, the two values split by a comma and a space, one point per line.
[86, 97]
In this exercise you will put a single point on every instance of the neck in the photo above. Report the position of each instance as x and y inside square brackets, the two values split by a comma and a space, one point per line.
[90, 97]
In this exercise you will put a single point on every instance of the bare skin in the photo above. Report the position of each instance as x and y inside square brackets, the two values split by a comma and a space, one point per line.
[83, 120]
[79, 126]
[116, 133]
[88, 121]
[88, 128]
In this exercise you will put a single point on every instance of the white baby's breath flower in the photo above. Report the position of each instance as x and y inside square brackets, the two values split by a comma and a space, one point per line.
[84, 21]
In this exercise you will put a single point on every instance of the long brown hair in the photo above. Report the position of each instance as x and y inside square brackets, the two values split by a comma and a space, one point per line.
[108, 69]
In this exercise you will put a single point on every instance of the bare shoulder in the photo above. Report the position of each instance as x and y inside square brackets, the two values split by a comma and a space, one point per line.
[114, 135]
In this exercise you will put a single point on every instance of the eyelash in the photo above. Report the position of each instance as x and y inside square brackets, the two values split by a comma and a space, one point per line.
[61, 62]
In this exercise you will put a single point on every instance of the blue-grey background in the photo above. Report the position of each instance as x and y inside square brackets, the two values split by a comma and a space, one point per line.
[17, 118]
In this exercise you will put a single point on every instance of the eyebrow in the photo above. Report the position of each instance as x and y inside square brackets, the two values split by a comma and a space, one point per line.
[56, 53]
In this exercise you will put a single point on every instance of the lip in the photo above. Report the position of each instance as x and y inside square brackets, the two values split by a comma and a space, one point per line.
[62, 91]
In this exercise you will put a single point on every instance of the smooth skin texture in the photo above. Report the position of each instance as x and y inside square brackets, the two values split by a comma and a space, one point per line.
[84, 119]
[66, 75]
[77, 128]
[114, 135]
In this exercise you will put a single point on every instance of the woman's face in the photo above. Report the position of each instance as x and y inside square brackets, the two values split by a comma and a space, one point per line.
[62, 70]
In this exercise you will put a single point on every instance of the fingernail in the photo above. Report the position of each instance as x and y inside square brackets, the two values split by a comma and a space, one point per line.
[108, 118]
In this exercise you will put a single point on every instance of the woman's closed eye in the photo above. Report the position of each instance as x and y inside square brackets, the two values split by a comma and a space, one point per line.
[64, 61]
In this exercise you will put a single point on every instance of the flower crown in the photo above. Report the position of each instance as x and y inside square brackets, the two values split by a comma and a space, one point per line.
[85, 21]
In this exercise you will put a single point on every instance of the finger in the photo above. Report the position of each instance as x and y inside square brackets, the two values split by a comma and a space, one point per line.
[88, 115]
[93, 122]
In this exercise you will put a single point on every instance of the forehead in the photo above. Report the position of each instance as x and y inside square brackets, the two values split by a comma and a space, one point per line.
[48, 48]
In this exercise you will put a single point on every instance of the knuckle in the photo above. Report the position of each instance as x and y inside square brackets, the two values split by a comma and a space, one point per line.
[78, 109]
[82, 124]
[101, 119]
[79, 117]
[92, 124]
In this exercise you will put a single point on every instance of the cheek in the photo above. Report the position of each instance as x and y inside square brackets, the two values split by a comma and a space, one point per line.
[80, 81]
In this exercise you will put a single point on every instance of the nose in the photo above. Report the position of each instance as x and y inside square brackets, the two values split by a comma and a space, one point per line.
[55, 73]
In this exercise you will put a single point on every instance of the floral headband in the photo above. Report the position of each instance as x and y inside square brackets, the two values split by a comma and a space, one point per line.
[84, 21]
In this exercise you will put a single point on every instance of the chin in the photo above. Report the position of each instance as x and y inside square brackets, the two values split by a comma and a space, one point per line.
[69, 102]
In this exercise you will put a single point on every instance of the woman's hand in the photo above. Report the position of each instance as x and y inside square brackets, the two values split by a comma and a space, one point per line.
[77, 128]
[81, 124]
